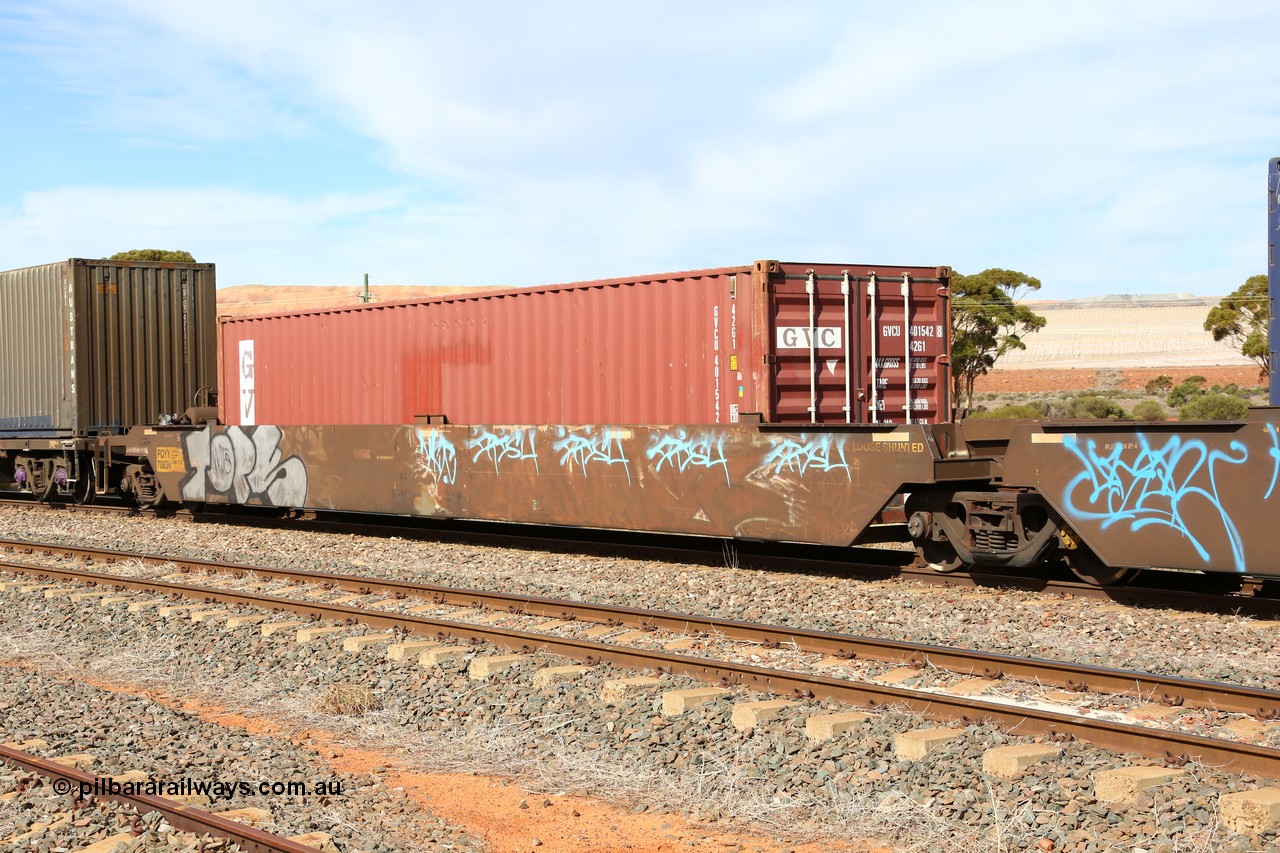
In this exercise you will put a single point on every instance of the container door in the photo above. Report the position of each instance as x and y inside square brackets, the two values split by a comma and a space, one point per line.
[907, 324]
[810, 347]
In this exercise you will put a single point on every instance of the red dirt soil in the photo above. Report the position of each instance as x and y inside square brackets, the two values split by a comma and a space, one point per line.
[489, 807]
[1087, 378]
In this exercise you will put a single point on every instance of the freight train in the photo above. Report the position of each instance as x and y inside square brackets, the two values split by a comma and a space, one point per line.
[772, 401]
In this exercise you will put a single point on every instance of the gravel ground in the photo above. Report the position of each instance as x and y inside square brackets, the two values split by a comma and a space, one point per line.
[564, 737]
[1129, 707]
[35, 817]
[132, 733]
[1207, 646]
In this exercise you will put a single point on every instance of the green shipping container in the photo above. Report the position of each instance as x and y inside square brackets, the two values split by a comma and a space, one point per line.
[88, 346]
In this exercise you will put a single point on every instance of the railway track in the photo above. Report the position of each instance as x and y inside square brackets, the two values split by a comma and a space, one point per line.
[1021, 719]
[1166, 589]
[180, 815]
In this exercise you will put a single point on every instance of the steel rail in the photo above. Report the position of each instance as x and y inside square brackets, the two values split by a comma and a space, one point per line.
[179, 815]
[1169, 690]
[1121, 737]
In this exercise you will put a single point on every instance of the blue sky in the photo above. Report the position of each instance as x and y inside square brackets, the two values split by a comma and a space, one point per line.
[1105, 147]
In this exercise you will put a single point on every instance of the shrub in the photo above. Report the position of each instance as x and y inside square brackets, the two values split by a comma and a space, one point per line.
[1186, 391]
[173, 256]
[1214, 407]
[1160, 385]
[1012, 410]
[1149, 410]
[1101, 408]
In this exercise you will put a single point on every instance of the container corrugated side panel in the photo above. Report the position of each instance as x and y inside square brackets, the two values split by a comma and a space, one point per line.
[36, 380]
[559, 356]
[149, 340]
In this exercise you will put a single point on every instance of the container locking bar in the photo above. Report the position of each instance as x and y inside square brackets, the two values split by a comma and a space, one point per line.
[847, 320]
[811, 287]
[906, 336]
[875, 362]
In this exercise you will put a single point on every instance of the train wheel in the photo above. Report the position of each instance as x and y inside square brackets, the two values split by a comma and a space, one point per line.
[83, 492]
[939, 556]
[1085, 565]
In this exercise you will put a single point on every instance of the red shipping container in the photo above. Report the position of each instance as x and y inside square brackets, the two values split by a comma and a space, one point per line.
[794, 342]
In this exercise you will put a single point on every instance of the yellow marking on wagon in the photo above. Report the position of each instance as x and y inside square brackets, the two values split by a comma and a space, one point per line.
[169, 460]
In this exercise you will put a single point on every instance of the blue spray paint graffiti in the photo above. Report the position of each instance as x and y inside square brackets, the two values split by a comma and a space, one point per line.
[825, 453]
[682, 452]
[1155, 487]
[589, 447]
[512, 444]
[437, 456]
[1275, 456]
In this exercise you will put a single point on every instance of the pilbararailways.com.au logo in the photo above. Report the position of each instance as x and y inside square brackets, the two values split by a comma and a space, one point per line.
[214, 789]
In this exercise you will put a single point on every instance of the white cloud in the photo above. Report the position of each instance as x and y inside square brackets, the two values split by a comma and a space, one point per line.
[1098, 145]
[211, 223]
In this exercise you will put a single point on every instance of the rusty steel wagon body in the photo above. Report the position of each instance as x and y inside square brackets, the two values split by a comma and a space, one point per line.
[1108, 498]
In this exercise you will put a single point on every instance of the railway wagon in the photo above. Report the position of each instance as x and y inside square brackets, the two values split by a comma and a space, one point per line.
[1273, 275]
[1108, 498]
[95, 355]
[794, 343]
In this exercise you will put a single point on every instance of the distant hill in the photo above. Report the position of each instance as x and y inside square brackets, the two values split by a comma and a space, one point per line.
[245, 300]
[1157, 330]
[1126, 299]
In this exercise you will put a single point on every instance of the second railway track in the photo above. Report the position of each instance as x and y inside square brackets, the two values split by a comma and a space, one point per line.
[1124, 737]
[1183, 590]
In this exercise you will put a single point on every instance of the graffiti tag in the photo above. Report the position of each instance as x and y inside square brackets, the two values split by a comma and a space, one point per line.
[1275, 460]
[437, 457]
[682, 452]
[510, 444]
[1167, 486]
[825, 453]
[246, 464]
[588, 447]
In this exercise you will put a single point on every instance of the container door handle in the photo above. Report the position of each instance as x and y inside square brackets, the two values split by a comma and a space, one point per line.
[811, 286]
